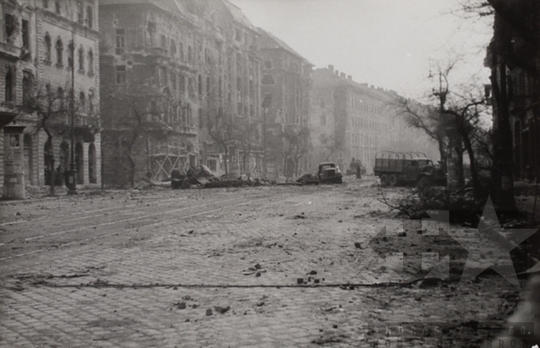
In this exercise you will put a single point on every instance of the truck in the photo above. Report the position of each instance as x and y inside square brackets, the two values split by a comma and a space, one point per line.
[411, 168]
[329, 173]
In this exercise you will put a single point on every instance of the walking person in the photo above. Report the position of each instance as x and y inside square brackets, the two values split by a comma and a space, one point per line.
[358, 171]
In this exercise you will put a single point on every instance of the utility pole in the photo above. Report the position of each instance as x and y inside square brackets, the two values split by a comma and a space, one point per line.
[72, 178]
[267, 101]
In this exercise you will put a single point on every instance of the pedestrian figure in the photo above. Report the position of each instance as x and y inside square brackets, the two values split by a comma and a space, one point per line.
[358, 171]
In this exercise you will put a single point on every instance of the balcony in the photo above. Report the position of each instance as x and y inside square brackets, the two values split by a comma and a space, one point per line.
[158, 51]
[9, 51]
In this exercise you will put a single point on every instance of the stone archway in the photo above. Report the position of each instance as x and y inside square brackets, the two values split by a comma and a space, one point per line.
[79, 163]
[64, 156]
[92, 177]
[48, 160]
[28, 160]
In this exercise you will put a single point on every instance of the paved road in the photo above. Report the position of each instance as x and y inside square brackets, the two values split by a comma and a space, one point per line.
[212, 268]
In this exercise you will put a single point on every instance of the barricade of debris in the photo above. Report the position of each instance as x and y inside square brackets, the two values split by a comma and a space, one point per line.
[308, 179]
[202, 176]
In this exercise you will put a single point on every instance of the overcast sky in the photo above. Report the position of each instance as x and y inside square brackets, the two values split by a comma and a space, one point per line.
[387, 43]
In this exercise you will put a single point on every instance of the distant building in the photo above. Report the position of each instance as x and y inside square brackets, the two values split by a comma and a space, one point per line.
[286, 86]
[35, 52]
[179, 77]
[351, 120]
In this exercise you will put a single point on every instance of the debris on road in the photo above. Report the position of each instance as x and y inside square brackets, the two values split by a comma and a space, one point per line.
[222, 310]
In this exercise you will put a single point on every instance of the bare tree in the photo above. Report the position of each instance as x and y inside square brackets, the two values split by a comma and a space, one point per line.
[247, 138]
[297, 144]
[425, 118]
[51, 109]
[454, 121]
[332, 144]
[223, 129]
[139, 114]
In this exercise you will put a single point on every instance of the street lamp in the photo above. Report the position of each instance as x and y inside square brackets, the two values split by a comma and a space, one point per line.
[72, 178]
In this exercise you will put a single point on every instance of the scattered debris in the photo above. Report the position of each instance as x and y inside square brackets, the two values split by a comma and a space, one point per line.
[220, 310]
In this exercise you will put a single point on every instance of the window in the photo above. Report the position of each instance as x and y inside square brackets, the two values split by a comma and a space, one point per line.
[201, 121]
[28, 87]
[80, 12]
[48, 91]
[26, 34]
[90, 16]
[120, 74]
[57, 7]
[173, 80]
[182, 83]
[71, 52]
[151, 27]
[9, 86]
[164, 76]
[59, 52]
[48, 47]
[120, 41]
[208, 85]
[181, 51]
[91, 101]
[45, 3]
[323, 120]
[268, 64]
[173, 48]
[189, 54]
[90, 62]
[10, 23]
[82, 102]
[81, 58]
[200, 85]
[60, 97]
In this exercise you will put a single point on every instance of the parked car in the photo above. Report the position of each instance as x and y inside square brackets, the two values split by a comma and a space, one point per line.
[329, 173]
[396, 168]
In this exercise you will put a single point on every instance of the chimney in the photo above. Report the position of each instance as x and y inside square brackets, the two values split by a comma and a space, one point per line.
[342, 75]
[331, 68]
[337, 72]
[349, 77]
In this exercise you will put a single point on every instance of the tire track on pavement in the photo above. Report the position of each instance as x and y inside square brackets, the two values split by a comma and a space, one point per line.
[162, 222]
[111, 212]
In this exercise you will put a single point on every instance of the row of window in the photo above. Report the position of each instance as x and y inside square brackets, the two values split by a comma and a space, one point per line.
[59, 49]
[11, 26]
[360, 122]
[81, 106]
[28, 93]
[366, 140]
[61, 7]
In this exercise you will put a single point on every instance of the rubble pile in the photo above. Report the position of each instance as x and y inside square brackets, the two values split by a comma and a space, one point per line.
[202, 176]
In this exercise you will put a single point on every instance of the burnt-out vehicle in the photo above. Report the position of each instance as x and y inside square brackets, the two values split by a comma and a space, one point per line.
[329, 173]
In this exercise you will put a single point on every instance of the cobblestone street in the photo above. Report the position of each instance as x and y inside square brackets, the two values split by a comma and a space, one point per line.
[217, 268]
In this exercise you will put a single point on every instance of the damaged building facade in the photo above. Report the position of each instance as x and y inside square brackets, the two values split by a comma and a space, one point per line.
[285, 87]
[352, 120]
[179, 86]
[514, 59]
[41, 68]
